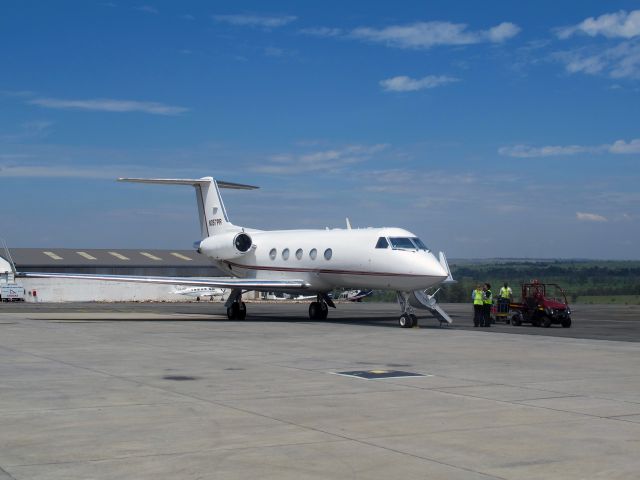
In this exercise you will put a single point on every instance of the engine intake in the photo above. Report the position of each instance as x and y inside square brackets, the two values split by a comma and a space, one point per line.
[227, 245]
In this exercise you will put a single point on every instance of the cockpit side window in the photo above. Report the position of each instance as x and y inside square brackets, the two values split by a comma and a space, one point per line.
[382, 243]
[402, 242]
[419, 244]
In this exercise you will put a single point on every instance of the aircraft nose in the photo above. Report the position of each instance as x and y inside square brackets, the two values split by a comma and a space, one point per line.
[434, 268]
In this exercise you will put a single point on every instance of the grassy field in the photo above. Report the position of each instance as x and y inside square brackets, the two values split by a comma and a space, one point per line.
[610, 299]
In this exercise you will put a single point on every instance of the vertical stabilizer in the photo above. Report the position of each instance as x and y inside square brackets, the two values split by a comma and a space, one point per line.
[211, 212]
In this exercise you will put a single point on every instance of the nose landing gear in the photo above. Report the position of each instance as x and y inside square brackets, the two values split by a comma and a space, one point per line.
[407, 319]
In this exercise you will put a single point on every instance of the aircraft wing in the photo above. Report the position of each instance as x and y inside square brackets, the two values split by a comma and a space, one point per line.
[214, 282]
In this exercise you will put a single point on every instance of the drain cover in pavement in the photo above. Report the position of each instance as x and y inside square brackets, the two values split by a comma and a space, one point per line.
[373, 374]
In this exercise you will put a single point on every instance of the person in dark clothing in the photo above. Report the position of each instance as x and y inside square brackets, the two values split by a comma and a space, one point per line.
[486, 310]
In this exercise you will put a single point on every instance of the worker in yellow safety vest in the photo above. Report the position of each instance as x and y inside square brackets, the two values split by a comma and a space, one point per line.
[488, 301]
[477, 297]
[506, 295]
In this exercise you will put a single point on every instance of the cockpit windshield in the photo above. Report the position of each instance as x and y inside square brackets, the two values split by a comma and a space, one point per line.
[406, 243]
[419, 244]
[402, 242]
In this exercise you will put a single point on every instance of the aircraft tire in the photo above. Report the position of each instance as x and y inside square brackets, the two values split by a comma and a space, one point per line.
[414, 320]
[237, 311]
[324, 311]
[405, 321]
[314, 311]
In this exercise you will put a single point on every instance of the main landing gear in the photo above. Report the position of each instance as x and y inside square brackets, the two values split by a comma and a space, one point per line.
[407, 319]
[319, 310]
[236, 308]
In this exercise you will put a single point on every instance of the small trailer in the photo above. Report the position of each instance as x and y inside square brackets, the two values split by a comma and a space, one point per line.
[541, 304]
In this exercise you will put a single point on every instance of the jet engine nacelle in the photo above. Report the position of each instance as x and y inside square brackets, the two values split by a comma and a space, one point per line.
[226, 245]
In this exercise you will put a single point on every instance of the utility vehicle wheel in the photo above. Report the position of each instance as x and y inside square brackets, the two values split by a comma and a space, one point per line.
[546, 323]
[405, 321]
[566, 323]
[516, 320]
[535, 322]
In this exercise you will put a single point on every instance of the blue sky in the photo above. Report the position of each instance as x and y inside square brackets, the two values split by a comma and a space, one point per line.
[488, 129]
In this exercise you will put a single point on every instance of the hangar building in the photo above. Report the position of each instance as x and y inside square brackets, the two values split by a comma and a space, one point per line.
[170, 263]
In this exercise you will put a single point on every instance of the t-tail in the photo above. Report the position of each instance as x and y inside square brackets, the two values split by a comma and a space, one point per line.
[211, 212]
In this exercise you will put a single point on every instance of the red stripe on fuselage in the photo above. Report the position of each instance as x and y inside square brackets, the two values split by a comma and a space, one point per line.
[321, 270]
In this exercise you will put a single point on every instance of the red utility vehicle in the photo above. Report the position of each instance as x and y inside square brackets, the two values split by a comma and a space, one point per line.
[541, 304]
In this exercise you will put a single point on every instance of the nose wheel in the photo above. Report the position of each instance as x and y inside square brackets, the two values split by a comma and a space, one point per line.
[407, 319]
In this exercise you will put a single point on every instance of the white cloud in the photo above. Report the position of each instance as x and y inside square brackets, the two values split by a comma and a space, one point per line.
[528, 151]
[620, 146]
[407, 84]
[620, 61]
[423, 35]
[109, 105]
[255, 20]
[147, 9]
[322, 31]
[590, 217]
[620, 24]
[328, 161]
[502, 32]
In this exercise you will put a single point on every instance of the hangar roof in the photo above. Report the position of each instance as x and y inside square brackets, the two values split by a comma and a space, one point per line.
[114, 257]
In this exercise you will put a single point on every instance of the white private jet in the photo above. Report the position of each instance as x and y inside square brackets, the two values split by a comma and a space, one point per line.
[300, 262]
[198, 292]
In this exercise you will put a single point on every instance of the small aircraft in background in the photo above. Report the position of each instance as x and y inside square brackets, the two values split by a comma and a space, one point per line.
[199, 292]
[300, 262]
[355, 295]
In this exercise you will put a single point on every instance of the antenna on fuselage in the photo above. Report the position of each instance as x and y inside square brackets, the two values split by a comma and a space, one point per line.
[348, 224]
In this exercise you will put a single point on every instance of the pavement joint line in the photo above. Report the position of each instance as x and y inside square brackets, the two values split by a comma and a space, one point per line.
[516, 402]
[519, 403]
[3, 471]
[92, 407]
[177, 454]
[473, 429]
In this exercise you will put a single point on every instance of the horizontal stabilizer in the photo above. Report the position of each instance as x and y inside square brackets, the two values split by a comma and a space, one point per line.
[189, 181]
